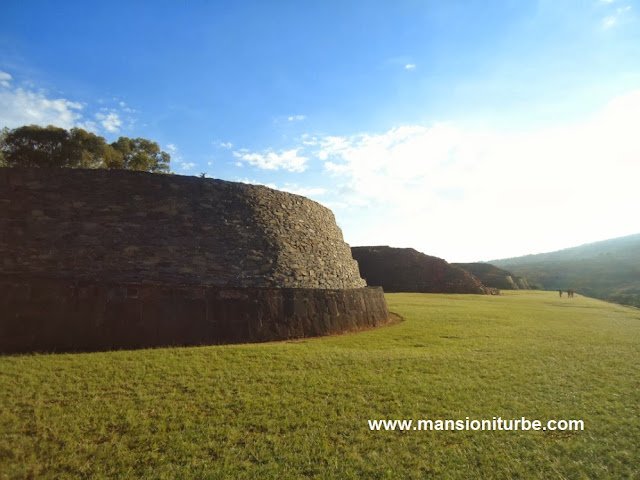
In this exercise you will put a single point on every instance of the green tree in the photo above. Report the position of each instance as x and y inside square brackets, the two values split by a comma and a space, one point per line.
[34, 146]
[142, 154]
[113, 159]
[87, 149]
[3, 134]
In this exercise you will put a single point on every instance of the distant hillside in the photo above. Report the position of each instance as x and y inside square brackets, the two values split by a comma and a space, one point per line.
[609, 270]
[492, 276]
[407, 270]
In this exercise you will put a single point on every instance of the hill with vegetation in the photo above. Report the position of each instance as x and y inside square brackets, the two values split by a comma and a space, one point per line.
[495, 277]
[407, 270]
[609, 270]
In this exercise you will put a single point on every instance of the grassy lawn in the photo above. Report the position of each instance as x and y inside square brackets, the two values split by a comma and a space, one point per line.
[300, 409]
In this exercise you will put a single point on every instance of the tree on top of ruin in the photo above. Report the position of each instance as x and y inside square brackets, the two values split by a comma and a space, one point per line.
[141, 154]
[35, 146]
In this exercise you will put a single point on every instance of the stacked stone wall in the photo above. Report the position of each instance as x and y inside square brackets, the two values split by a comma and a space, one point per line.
[166, 229]
[98, 259]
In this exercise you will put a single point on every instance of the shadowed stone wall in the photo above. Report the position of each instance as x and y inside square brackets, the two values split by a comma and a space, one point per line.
[113, 256]
[49, 315]
[407, 270]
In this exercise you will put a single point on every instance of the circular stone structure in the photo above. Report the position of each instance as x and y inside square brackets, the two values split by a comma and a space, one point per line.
[100, 259]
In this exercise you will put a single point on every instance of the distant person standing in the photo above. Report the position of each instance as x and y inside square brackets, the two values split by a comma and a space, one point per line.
[560, 292]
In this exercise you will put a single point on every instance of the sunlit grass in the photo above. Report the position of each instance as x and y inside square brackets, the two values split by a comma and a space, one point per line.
[296, 409]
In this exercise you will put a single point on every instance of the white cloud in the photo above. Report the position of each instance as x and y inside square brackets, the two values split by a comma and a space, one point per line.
[226, 145]
[88, 125]
[410, 66]
[109, 121]
[285, 160]
[469, 195]
[296, 118]
[388, 167]
[613, 19]
[308, 140]
[124, 107]
[20, 107]
[28, 106]
[331, 146]
[176, 158]
[256, 182]
[304, 191]
[5, 79]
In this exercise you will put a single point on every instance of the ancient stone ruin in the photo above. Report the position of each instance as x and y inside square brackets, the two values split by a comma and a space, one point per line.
[99, 259]
[407, 270]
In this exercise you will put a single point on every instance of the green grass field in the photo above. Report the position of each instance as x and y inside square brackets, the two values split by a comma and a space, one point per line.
[300, 409]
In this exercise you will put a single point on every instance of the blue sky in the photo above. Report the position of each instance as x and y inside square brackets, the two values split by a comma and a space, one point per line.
[469, 130]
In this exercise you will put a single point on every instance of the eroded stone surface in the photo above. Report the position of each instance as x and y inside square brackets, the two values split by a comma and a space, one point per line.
[142, 227]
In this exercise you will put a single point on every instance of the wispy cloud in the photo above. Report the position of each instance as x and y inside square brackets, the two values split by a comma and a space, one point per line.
[109, 121]
[177, 160]
[253, 181]
[5, 79]
[397, 166]
[418, 162]
[22, 107]
[26, 105]
[410, 66]
[296, 118]
[125, 108]
[285, 160]
[615, 15]
[304, 191]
